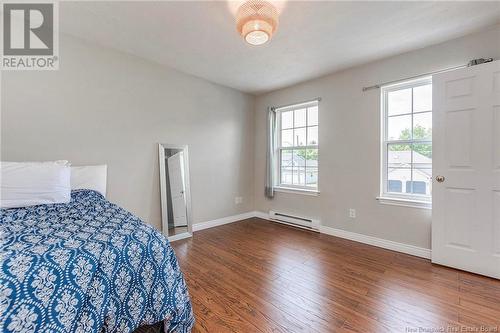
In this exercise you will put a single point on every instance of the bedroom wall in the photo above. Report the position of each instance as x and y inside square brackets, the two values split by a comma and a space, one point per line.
[103, 106]
[349, 141]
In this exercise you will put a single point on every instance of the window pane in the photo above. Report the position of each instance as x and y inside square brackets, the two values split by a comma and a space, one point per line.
[287, 138]
[312, 136]
[399, 128]
[396, 178]
[311, 157]
[422, 126]
[286, 166]
[299, 166]
[287, 119]
[399, 102]
[394, 186]
[422, 183]
[422, 98]
[422, 169]
[300, 118]
[422, 155]
[312, 116]
[299, 176]
[417, 187]
[312, 177]
[399, 156]
[300, 137]
[286, 157]
[299, 158]
[286, 175]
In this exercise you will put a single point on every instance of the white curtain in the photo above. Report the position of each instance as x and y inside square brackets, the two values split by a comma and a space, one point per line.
[271, 152]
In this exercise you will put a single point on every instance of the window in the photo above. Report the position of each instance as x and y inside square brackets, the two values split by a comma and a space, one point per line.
[298, 146]
[407, 140]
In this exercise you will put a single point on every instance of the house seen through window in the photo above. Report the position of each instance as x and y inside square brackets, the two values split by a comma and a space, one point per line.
[407, 140]
[298, 146]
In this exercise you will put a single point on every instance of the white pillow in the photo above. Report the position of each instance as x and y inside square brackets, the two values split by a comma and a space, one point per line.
[34, 183]
[92, 177]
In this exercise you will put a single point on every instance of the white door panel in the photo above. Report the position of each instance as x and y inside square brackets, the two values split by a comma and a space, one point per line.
[466, 151]
[460, 203]
[459, 138]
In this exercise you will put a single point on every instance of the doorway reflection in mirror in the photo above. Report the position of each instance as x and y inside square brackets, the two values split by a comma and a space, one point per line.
[175, 193]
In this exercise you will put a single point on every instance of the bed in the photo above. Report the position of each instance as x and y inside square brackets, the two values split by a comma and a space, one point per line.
[87, 266]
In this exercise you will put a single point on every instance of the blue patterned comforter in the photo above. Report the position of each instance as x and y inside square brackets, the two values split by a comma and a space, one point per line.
[87, 266]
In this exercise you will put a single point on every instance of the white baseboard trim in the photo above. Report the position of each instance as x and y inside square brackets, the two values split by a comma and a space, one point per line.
[179, 236]
[370, 240]
[379, 242]
[222, 221]
[262, 215]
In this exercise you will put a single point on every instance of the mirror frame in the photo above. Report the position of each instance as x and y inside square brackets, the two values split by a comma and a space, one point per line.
[163, 191]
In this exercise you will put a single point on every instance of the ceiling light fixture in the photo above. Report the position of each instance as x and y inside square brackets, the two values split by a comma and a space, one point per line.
[256, 21]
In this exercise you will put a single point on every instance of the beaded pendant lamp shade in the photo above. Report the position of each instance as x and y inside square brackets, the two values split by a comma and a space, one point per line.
[257, 21]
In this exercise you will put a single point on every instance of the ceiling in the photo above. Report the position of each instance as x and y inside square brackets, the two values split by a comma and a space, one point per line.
[313, 38]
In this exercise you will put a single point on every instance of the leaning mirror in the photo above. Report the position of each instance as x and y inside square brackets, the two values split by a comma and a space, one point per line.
[174, 191]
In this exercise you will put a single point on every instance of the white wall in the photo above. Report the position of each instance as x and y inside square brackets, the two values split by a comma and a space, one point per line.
[103, 106]
[349, 140]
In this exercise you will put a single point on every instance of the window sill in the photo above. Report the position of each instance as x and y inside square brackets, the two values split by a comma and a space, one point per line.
[405, 202]
[301, 191]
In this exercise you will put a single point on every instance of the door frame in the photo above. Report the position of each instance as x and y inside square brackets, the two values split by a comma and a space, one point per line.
[163, 190]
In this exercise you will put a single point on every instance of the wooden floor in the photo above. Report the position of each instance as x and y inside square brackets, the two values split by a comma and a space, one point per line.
[259, 276]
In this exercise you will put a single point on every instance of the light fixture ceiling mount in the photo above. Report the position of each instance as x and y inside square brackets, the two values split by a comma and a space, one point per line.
[256, 21]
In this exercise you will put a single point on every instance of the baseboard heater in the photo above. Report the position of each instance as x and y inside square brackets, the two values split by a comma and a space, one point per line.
[298, 221]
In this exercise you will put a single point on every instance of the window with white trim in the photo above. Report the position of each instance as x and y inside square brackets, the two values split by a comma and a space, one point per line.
[298, 146]
[407, 140]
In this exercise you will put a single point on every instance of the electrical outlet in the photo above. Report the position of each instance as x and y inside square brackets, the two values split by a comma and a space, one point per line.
[238, 200]
[352, 213]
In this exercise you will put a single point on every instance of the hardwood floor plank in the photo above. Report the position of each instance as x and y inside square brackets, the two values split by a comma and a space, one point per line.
[262, 289]
[219, 305]
[243, 304]
[259, 276]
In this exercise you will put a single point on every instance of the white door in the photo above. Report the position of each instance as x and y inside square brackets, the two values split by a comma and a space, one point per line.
[177, 188]
[466, 152]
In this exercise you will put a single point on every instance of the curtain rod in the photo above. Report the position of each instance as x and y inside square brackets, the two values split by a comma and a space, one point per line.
[378, 85]
[318, 99]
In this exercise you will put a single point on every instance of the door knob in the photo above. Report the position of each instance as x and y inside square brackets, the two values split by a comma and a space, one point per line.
[440, 179]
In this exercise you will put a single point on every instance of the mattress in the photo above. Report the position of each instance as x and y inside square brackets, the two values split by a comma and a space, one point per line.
[87, 266]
